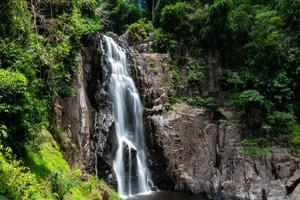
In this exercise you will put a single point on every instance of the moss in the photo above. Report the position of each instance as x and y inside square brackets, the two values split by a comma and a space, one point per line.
[44, 158]
[93, 189]
[152, 64]
[201, 101]
[256, 150]
[295, 136]
[256, 146]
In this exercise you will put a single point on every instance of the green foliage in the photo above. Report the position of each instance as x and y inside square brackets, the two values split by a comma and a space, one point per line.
[12, 85]
[48, 175]
[259, 42]
[40, 43]
[201, 101]
[171, 102]
[295, 136]
[249, 97]
[140, 31]
[40, 58]
[143, 31]
[17, 20]
[46, 162]
[217, 30]
[162, 41]
[256, 146]
[266, 29]
[175, 18]
[16, 181]
[124, 14]
[91, 189]
[237, 79]
[3, 133]
[281, 122]
[197, 73]
[18, 108]
[175, 76]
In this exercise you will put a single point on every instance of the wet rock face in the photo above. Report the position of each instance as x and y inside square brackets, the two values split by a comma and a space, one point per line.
[103, 144]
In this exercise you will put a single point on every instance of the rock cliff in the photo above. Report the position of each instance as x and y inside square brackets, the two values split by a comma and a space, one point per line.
[200, 151]
[190, 149]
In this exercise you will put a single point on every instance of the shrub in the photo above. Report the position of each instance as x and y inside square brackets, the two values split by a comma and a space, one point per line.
[175, 76]
[201, 101]
[196, 73]
[12, 86]
[256, 145]
[16, 181]
[44, 158]
[281, 122]
[175, 19]
[124, 14]
[248, 97]
[140, 31]
[295, 137]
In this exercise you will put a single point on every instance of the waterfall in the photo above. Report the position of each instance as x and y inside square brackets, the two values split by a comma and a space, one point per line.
[129, 160]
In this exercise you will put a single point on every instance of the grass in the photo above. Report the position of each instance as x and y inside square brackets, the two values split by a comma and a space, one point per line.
[53, 172]
[201, 101]
[295, 135]
[44, 156]
[256, 146]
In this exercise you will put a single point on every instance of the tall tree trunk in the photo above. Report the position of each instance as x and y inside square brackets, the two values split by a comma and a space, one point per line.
[153, 7]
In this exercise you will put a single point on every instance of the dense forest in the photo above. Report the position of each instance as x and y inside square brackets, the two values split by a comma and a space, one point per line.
[257, 43]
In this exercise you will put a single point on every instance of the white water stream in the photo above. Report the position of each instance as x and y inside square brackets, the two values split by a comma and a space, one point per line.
[129, 161]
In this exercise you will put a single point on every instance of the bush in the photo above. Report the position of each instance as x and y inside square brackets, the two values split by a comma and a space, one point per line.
[175, 19]
[256, 145]
[20, 111]
[13, 85]
[124, 14]
[140, 31]
[16, 181]
[144, 31]
[196, 73]
[175, 75]
[234, 80]
[44, 158]
[295, 136]
[250, 97]
[163, 42]
[201, 101]
[281, 122]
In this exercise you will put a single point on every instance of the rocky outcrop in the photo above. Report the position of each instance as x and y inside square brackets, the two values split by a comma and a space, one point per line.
[74, 114]
[199, 151]
[205, 156]
[190, 149]
[74, 117]
[214, 72]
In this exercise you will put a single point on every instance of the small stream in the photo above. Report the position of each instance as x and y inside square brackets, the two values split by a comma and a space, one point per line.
[164, 195]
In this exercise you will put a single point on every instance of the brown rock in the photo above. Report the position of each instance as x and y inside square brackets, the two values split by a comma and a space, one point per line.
[293, 179]
[296, 193]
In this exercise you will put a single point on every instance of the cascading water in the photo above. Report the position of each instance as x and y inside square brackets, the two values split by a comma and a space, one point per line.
[129, 160]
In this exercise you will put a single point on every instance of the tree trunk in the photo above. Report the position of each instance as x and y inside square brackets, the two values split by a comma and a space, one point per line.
[153, 7]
